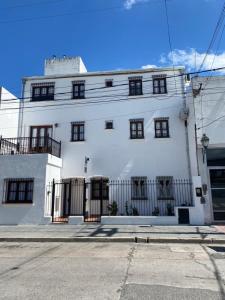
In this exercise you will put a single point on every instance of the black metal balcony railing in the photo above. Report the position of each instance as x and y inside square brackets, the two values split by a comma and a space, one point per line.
[30, 145]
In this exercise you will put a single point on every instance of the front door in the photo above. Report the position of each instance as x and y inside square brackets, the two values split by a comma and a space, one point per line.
[217, 180]
[39, 137]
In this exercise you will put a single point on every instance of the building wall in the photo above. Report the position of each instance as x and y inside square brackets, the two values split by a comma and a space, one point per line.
[112, 153]
[209, 105]
[43, 168]
[9, 113]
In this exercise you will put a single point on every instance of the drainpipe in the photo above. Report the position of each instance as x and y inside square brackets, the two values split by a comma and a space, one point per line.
[186, 130]
[21, 111]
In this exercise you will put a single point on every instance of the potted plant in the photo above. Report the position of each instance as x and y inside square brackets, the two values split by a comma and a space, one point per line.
[155, 211]
[113, 208]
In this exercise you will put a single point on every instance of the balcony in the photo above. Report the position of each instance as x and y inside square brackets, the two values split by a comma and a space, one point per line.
[30, 145]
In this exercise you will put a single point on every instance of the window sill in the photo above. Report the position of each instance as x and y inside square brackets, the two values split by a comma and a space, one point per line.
[137, 138]
[169, 198]
[17, 203]
[135, 95]
[79, 98]
[139, 198]
[77, 141]
[40, 99]
[162, 137]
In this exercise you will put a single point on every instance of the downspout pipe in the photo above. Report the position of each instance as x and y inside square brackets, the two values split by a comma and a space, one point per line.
[186, 129]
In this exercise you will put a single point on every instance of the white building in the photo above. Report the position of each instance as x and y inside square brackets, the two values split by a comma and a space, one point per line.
[9, 114]
[119, 142]
[209, 112]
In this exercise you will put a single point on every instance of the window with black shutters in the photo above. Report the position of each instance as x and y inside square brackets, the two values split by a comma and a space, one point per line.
[77, 132]
[99, 189]
[136, 129]
[135, 87]
[108, 83]
[79, 90]
[164, 187]
[19, 190]
[159, 86]
[139, 188]
[42, 92]
[162, 128]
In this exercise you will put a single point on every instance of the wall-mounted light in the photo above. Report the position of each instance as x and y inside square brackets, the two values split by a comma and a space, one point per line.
[205, 144]
[86, 160]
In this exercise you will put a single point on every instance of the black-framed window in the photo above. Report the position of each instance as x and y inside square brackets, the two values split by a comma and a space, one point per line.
[159, 86]
[78, 90]
[108, 83]
[99, 189]
[43, 92]
[162, 128]
[135, 87]
[19, 190]
[165, 188]
[139, 188]
[108, 124]
[77, 131]
[136, 129]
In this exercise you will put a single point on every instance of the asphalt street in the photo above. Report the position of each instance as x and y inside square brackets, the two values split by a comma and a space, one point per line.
[111, 271]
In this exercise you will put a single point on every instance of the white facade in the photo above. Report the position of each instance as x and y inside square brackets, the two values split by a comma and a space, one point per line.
[9, 113]
[112, 153]
[103, 153]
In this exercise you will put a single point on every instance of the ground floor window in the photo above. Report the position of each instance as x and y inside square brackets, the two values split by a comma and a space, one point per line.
[19, 190]
[99, 189]
[164, 187]
[138, 188]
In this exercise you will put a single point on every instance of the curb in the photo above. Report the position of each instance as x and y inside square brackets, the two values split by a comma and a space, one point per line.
[147, 240]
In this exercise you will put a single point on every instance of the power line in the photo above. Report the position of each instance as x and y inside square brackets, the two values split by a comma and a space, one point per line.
[126, 84]
[215, 33]
[169, 38]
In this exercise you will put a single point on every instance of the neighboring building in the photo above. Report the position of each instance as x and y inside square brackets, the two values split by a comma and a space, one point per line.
[209, 104]
[116, 142]
[9, 114]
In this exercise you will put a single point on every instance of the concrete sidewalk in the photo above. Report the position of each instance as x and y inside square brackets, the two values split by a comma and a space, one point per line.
[113, 233]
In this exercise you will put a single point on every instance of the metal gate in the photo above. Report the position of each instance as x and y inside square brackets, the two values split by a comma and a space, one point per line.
[67, 199]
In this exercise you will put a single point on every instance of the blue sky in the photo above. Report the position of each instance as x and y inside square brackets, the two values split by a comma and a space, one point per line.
[107, 34]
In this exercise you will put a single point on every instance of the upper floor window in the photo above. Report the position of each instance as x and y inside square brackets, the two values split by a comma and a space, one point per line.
[108, 124]
[108, 83]
[77, 131]
[19, 191]
[159, 85]
[161, 128]
[135, 86]
[137, 129]
[78, 90]
[43, 91]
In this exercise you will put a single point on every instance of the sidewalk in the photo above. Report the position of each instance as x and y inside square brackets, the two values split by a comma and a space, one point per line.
[113, 233]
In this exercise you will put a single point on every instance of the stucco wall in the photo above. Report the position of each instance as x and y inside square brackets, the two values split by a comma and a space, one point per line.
[112, 153]
[42, 168]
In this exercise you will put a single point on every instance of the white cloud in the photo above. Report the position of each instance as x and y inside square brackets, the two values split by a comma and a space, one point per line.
[128, 4]
[193, 59]
[149, 67]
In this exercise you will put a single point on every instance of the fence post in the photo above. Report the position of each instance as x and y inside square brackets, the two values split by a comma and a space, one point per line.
[70, 194]
[53, 199]
[101, 196]
[84, 198]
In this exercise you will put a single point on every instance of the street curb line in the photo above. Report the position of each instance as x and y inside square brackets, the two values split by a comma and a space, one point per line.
[148, 240]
